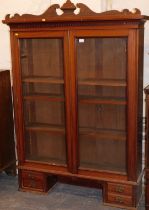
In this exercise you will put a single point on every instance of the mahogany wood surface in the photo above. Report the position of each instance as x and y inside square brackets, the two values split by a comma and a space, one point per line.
[78, 99]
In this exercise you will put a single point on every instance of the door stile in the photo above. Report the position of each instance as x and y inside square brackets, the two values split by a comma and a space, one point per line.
[132, 93]
[74, 111]
[17, 96]
[68, 101]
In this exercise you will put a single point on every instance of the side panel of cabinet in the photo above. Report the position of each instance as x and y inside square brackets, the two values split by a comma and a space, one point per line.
[41, 92]
[140, 101]
[135, 92]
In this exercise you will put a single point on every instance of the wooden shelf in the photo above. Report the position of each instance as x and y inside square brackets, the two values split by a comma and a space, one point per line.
[51, 161]
[104, 133]
[41, 127]
[102, 167]
[54, 80]
[102, 100]
[44, 97]
[103, 82]
[44, 79]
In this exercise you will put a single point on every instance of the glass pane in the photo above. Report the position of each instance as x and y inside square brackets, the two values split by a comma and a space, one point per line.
[95, 62]
[102, 103]
[43, 89]
[102, 136]
[43, 99]
[108, 153]
[44, 112]
[102, 116]
[41, 57]
[101, 92]
[45, 147]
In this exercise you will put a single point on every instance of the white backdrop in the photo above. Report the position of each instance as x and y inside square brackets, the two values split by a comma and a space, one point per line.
[39, 6]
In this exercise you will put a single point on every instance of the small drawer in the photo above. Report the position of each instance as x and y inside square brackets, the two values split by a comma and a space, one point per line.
[119, 199]
[33, 180]
[120, 189]
[32, 175]
[32, 183]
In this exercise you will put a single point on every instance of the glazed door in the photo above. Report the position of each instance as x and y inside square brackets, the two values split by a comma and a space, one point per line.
[101, 85]
[43, 79]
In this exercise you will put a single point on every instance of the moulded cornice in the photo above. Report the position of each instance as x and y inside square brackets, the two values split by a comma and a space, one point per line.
[68, 14]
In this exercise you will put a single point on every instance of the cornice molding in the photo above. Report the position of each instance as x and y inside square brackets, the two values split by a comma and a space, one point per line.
[68, 14]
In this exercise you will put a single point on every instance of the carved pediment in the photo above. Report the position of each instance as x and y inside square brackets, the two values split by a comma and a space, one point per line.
[84, 10]
[68, 13]
[50, 12]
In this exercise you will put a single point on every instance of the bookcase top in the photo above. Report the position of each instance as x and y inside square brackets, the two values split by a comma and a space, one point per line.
[68, 14]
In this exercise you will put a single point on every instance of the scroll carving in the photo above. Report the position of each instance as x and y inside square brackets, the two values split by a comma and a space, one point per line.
[84, 10]
[50, 12]
[68, 10]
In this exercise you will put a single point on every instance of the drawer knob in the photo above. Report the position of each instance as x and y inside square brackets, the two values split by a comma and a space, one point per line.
[31, 176]
[119, 200]
[120, 189]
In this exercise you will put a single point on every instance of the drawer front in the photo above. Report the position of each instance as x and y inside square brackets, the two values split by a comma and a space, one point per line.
[32, 175]
[33, 180]
[120, 189]
[34, 184]
[119, 199]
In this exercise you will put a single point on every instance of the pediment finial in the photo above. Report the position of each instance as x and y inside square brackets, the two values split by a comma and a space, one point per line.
[68, 7]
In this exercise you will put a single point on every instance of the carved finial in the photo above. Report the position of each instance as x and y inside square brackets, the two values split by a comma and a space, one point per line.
[68, 7]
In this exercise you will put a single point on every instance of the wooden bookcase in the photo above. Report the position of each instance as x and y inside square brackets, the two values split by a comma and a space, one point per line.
[78, 100]
[7, 143]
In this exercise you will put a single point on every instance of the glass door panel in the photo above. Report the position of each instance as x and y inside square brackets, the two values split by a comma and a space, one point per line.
[102, 102]
[102, 136]
[43, 89]
[46, 146]
[102, 116]
[102, 92]
[108, 153]
[42, 58]
[42, 67]
[95, 62]
[44, 112]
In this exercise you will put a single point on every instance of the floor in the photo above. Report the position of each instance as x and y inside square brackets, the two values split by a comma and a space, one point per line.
[61, 197]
